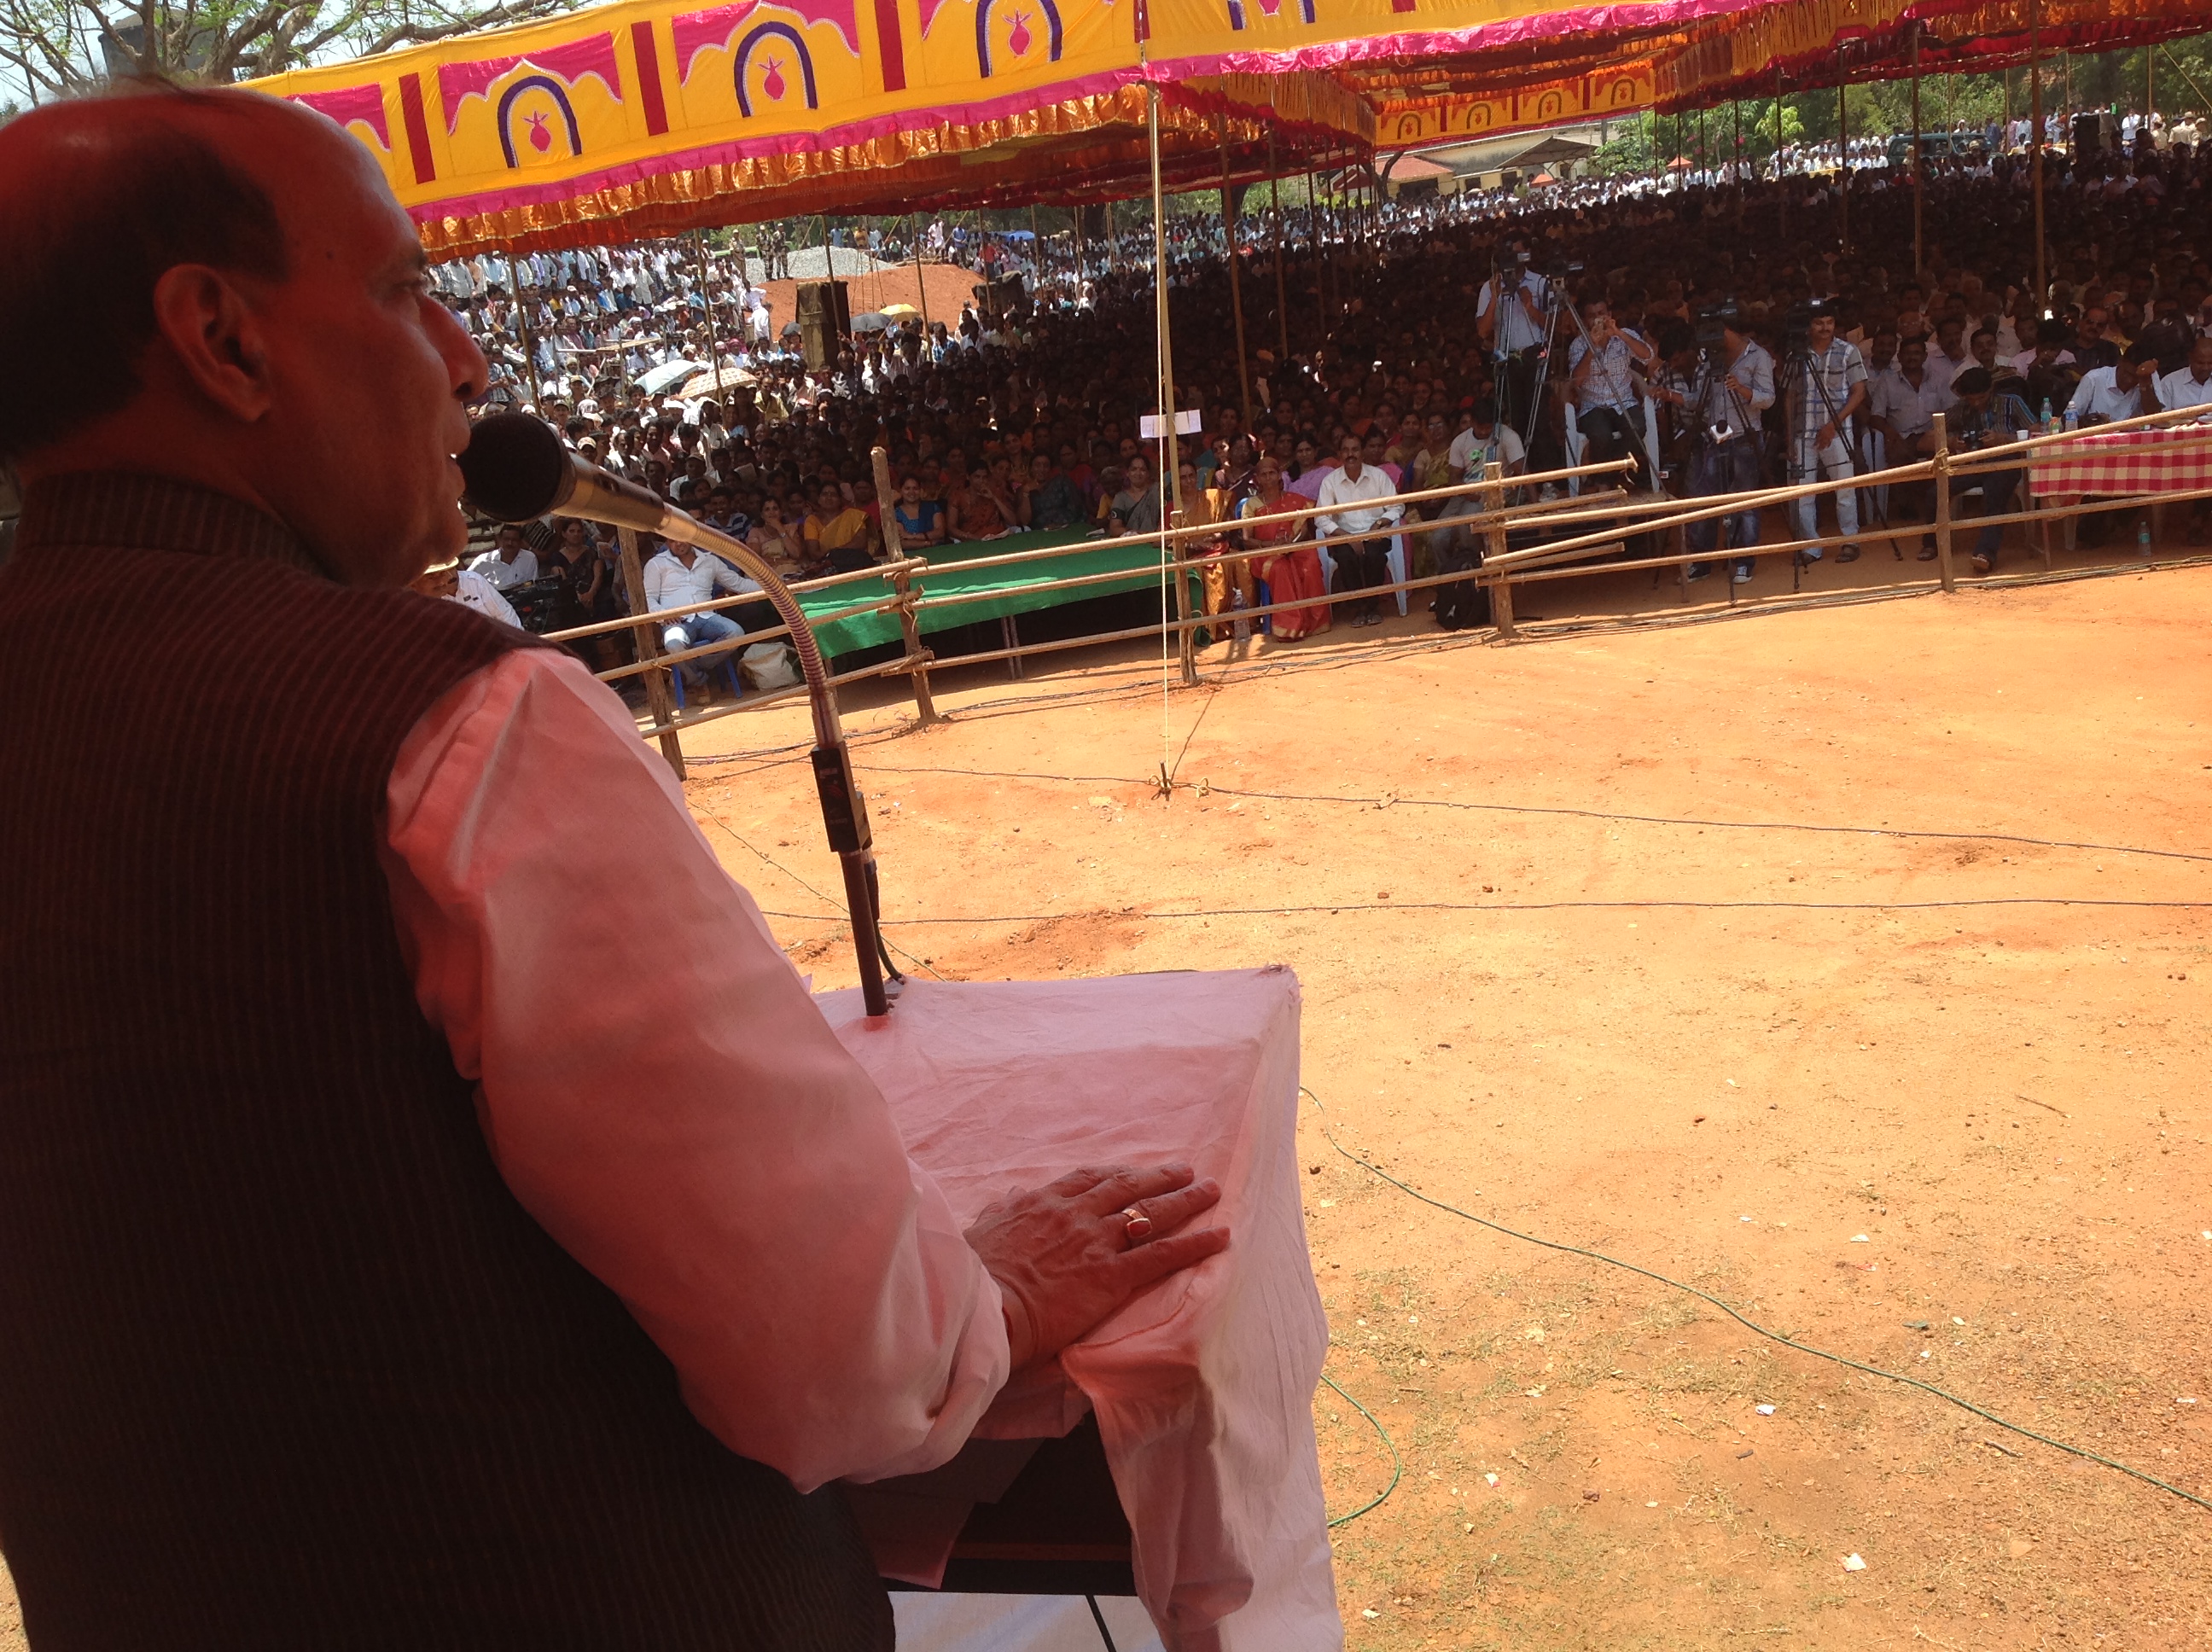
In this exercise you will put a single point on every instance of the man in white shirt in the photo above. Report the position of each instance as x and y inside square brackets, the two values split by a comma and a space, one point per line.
[510, 564]
[1903, 404]
[1607, 392]
[682, 575]
[1485, 442]
[1509, 317]
[2105, 394]
[1363, 564]
[1826, 388]
[2191, 386]
[469, 588]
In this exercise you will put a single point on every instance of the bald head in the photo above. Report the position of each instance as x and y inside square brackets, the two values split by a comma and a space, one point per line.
[218, 286]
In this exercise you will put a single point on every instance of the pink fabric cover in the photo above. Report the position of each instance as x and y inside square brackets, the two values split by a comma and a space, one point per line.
[1203, 1385]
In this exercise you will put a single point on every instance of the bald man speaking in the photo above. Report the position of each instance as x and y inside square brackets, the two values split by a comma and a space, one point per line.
[431, 1213]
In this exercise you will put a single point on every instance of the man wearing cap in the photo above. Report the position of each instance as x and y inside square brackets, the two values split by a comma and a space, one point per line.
[467, 1232]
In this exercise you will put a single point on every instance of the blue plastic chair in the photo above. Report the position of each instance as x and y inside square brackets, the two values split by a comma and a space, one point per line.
[727, 664]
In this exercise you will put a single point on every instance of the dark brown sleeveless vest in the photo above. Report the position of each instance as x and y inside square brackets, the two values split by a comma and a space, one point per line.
[282, 1362]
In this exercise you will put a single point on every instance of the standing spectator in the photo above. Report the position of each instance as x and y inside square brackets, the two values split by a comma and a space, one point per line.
[1905, 401]
[1827, 389]
[1738, 387]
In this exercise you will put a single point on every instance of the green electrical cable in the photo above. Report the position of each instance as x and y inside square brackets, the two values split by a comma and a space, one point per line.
[1397, 1463]
[1749, 1324]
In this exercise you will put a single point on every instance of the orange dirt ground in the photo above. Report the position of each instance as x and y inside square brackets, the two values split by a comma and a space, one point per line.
[1729, 1085]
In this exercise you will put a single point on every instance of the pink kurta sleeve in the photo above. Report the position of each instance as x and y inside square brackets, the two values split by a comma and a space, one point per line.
[661, 1093]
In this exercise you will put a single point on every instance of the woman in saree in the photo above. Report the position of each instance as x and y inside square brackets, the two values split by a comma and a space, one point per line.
[1293, 574]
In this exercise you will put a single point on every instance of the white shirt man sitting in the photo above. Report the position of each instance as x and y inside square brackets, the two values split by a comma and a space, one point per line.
[469, 588]
[1346, 498]
[510, 564]
[2190, 385]
[2105, 394]
[682, 575]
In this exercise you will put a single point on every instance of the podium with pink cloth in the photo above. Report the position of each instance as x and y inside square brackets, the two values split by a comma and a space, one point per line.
[1203, 1385]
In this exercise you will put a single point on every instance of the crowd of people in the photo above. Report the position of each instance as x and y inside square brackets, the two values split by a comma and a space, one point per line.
[1719, 339]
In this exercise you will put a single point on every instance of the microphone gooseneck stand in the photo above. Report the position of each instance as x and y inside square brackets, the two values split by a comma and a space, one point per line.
[517, 471]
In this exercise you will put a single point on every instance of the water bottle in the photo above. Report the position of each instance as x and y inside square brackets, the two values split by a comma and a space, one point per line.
[2142, 538]
[2048, 421]
[2073, 421]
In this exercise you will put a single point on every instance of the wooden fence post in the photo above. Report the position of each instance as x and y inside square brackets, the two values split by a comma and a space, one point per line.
[1943, 504]
[657, 698]
[1187, 634]
[1501, 589]
[917, 657]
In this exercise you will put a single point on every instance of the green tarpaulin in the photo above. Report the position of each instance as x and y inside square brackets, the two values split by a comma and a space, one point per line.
[996, 591]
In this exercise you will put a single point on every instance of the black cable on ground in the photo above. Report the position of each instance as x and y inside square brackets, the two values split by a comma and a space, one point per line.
[1542, 906]
[1577, 814]
[1739, 1318]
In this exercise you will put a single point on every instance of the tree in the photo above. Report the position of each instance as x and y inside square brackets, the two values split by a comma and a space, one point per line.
[60, 47]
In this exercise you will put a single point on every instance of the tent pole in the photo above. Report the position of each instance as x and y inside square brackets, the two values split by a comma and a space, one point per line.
[1171, 561]
[1736, 166]
[829, 258]
[1236, 285]
[2035, 142]
[921, 287]
[1781, 196]
[1844, 159]
[522, 326]
[1037, 246]
[1282, 302]
[2150, 84]
[1918, 264]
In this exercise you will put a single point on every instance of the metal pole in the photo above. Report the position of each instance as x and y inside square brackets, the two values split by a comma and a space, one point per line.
[2150, 84]
[1236, 284]
[1282, 302]
[922, 286]
[1918, 264]
[522, 325]
[829, 259]
[1781, 195]
[1844, 159]
[2035, 142]
[1172, 463]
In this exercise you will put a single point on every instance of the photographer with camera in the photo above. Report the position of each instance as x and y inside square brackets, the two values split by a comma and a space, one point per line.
[1825, 385]
[1734, 385]
[1602, 376]
[1510, 320]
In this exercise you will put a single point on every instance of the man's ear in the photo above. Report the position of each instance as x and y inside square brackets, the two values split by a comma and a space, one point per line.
[216, 338]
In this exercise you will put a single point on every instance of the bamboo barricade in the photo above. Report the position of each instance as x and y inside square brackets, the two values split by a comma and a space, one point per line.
[1501, 569]
[903, 585]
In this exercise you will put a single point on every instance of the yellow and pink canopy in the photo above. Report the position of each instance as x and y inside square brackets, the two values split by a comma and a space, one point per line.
[655, 116]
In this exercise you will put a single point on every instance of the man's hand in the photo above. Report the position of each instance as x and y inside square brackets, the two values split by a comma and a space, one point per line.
[1064, 1255]
[1825, 434]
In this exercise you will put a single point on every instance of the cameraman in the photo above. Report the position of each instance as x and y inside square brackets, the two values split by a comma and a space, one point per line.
[1827, 385]
[1509, 319]
[1733, 385]
[1607, 393]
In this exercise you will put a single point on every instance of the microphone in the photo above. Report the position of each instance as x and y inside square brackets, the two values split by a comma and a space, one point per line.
[515, 469]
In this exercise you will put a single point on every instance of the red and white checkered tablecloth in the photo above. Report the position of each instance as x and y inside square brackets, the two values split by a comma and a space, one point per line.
[2171, 460]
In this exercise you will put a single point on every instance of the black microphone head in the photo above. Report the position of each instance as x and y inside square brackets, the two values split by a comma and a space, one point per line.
[515, 468]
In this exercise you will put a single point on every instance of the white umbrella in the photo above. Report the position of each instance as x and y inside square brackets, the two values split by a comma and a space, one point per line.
[656, 381]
